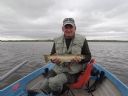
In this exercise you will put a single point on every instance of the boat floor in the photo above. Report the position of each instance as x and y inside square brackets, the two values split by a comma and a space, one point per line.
[106, 88]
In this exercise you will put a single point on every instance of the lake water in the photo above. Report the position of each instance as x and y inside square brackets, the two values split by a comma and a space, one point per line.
[112, 55]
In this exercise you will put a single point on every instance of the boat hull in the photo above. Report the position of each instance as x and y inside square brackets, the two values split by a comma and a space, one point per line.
[111, 85]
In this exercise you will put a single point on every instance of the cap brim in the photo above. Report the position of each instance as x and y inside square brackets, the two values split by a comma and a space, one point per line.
[69, 24]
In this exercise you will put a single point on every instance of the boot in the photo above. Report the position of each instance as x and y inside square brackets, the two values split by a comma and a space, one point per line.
[56, 93]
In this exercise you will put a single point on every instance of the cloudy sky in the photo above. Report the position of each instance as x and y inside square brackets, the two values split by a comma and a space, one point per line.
[39, 19]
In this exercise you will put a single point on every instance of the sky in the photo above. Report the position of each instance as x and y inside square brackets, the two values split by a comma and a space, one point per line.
[42, 19]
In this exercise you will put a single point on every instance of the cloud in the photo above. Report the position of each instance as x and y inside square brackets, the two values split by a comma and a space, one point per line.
[38, 19]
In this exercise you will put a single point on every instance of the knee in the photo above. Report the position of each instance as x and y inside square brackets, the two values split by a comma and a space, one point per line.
[55, 85]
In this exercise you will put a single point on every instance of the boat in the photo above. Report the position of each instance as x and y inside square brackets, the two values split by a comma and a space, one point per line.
[110, 85]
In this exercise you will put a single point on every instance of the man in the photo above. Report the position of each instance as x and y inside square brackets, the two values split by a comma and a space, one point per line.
[68, 43]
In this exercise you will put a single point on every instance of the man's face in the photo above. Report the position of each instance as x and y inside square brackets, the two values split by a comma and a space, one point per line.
[69, 30]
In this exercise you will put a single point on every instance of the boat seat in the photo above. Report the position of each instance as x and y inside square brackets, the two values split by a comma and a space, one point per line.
[84, 76]
[83, 79]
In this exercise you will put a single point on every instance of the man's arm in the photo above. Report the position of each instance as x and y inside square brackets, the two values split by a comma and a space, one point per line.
[85, 51]
[53, 51]
[56, 60]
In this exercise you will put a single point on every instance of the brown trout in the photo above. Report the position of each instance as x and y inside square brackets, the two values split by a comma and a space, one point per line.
[63, 58]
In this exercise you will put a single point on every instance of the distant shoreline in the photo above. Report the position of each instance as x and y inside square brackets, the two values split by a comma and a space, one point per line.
[52, 41]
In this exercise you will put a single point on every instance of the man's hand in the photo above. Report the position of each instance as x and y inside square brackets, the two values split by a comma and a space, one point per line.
[76, 60]
[56, 61]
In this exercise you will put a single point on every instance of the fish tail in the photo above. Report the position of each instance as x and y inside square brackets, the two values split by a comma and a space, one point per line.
[46, 58]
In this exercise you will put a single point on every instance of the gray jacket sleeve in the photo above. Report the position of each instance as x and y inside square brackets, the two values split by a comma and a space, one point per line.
[53, 51]
[85, 51]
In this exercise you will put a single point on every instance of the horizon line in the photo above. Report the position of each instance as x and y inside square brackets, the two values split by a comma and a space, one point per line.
[51, 40]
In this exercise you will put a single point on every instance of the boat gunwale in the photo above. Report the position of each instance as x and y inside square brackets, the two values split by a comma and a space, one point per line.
[23, 82]
[119, 84]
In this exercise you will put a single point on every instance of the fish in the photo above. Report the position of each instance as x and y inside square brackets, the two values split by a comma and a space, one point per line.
[63, 58]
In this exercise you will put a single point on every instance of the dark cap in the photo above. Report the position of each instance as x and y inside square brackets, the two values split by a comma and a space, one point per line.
[68, 21]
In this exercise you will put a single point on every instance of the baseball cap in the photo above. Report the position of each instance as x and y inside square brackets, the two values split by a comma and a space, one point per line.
[68, 21]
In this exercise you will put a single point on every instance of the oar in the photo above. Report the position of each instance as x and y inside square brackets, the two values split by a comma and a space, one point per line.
[12, 70]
